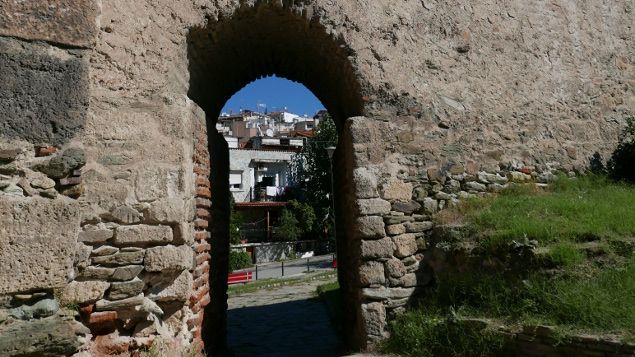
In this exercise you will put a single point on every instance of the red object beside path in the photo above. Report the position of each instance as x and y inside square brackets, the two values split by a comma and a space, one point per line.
[238, 278]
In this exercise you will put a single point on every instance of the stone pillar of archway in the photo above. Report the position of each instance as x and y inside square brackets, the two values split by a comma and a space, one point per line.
[384, 234]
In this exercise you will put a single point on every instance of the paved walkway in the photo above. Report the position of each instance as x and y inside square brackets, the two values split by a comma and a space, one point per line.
[285, 321]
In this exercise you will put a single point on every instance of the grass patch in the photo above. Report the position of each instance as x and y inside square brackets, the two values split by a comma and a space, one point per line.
[566, 254]
[271, 283]
[571, 210]
[591, 299]
[424, 332]
[582, 278]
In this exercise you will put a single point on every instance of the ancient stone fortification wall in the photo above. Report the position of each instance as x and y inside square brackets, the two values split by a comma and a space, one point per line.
[456, 98]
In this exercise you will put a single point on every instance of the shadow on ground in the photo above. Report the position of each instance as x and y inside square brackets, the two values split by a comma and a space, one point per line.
[292, 328]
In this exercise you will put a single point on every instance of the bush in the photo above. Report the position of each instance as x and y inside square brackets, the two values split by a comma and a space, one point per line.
[238, 260]
[621, 165]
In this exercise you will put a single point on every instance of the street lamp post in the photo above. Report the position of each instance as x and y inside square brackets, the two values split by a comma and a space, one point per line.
[331, 150]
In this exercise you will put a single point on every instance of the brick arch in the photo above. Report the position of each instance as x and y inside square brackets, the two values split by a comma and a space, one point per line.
[223, 57]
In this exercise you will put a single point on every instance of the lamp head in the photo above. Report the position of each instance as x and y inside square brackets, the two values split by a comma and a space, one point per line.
[330, 150]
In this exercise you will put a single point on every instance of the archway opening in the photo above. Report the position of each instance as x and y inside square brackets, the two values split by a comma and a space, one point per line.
[255, 42]
[281, 221]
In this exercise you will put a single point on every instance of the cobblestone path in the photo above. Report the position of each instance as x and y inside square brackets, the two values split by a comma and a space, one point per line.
[284, 321]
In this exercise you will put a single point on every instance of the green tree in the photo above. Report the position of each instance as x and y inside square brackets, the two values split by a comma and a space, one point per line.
[311, 170]
[236, 221]
[304, 214]
[287, 229]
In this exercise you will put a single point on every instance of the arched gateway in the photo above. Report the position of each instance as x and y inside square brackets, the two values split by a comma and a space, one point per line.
[224, 56]
[113, 181]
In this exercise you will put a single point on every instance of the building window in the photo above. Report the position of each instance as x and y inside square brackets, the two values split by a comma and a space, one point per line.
[235, 180]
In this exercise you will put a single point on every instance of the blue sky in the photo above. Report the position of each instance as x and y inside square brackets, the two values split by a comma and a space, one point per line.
[276, 93]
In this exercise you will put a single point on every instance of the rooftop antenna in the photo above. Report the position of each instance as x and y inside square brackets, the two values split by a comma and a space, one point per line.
[260, 105]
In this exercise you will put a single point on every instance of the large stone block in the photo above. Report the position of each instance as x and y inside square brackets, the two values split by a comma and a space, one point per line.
[125, 289]
[68, 22]
[44, 92]
[374, 249]
[405, 245]
[371, 272]
[79, 292]
[373, 206]
[37, 243]
[176, 289]
[371, 227]
[395, 268]
[142, 234]
[120, 259]
[375, 319]
[384, 293]
[169, 258]
[52, 336]
[365, 183]
[397, 190]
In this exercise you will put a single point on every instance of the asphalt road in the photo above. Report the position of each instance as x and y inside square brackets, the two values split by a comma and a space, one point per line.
[292, 267]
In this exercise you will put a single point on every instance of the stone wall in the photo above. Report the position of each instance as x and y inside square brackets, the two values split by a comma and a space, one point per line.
[455, 99]
[394, 220]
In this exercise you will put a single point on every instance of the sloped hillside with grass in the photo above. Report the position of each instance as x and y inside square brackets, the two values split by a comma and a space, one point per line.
[561, 256]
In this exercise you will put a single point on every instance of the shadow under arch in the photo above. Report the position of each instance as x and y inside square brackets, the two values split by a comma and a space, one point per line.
[227, 54]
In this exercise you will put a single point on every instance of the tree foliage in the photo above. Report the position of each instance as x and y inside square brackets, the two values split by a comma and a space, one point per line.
[311, 170]
[236, 221]
[238, 260]
[287, 228]
[304, 214]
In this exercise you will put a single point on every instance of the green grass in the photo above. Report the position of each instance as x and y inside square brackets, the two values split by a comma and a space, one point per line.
[595, 301]
[591, 299]
[422, 333]
[581, 280]
[566, 254]
[270, 283]
[572, 210]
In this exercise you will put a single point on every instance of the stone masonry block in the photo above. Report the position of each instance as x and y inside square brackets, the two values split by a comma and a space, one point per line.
[371, 227]
[80, 292]
[374, 249]
[48, 83]
[373, 206]
[69, 22]
[365, 183]
[169, 258]
[142, 235]
[405, 245]
[375, 319]
[395, 229]
[371, 272]
[37, 243]
[396, 190]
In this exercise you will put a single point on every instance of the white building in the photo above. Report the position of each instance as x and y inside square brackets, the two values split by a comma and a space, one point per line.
[258, 174]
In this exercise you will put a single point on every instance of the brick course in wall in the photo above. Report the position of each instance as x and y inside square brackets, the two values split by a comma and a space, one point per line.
[201, 295]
